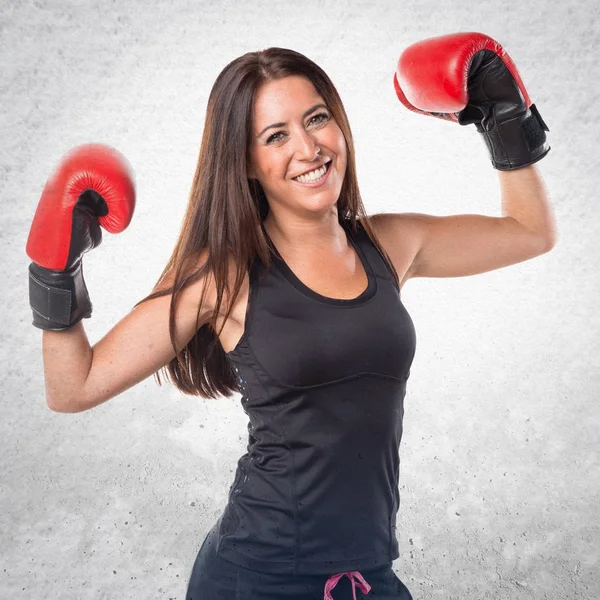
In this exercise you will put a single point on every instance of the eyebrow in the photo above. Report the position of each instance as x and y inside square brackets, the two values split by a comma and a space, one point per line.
[308, 112]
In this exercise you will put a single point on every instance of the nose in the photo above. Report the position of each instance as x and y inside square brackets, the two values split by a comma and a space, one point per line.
[306, 147]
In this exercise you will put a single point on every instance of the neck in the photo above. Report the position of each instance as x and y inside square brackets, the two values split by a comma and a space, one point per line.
[297, 237]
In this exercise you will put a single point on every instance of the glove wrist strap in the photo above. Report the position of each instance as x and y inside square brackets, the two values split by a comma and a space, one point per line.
[58, 299]
[515, 143]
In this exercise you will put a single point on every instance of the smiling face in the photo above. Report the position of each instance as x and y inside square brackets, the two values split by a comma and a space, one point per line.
[294, 133]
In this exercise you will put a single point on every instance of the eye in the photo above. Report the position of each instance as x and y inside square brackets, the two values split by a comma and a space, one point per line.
[320, 118]
[316, 120]
[274, 138]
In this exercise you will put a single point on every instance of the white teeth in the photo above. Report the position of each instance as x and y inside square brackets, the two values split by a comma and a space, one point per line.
[311, 175]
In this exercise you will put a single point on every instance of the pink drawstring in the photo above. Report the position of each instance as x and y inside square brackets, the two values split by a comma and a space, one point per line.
[333, 580]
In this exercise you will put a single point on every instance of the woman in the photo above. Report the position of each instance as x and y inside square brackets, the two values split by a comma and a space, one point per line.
[282, 288]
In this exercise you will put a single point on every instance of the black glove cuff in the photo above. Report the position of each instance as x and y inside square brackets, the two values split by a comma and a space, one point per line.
[58, 299]
[516, 143]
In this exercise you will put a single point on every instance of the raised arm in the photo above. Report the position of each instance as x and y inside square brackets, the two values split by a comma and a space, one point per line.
[92, 188]
[79, 376]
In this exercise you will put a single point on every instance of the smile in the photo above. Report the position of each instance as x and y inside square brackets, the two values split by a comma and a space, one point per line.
[316, 177]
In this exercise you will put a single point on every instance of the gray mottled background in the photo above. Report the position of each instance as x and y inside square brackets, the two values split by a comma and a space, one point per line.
[499, 481]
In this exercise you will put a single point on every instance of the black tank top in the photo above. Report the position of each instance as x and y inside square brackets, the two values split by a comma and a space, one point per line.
[323, 382]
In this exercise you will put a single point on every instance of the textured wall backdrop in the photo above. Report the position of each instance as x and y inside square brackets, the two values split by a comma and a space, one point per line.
[500, 476]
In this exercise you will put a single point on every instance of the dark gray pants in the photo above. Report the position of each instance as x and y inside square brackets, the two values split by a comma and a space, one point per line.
[214, 578]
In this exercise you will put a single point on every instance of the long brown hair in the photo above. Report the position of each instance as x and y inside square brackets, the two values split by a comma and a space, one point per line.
[225, 210]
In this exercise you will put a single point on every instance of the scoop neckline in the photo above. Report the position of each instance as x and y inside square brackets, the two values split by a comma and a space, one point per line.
[363, 297]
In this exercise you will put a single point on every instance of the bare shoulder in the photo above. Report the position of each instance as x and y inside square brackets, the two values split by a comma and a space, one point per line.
[141, 342]
[192, 293]
[400, 234]
[206, 285]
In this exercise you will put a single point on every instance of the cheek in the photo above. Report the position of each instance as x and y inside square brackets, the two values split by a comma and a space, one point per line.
[342, 150]
[274, 169]
[266, 166]
[339, 143]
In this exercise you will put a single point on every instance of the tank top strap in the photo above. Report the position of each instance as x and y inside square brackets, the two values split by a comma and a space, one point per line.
[371, 252]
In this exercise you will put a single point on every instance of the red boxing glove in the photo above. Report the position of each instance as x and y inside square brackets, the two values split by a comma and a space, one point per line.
[92, 187]
[469, 78]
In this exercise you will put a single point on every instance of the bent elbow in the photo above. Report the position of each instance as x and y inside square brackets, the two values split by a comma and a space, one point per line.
[61, 406]
[544, 245]
[549, 245]
[551, 239]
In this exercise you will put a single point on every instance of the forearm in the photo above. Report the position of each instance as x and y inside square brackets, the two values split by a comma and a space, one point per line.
[67, 359]
[525, 199]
